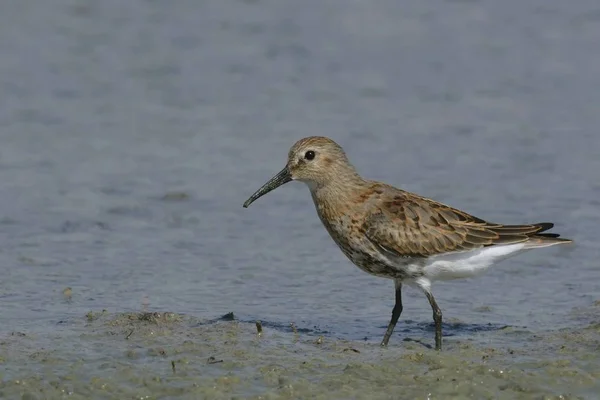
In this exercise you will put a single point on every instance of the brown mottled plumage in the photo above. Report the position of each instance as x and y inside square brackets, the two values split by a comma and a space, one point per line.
[395, 234]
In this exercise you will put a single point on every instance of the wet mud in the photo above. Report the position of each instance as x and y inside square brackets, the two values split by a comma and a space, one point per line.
[155, 355]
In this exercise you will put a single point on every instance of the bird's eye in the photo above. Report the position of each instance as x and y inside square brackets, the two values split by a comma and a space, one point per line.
[309, 155]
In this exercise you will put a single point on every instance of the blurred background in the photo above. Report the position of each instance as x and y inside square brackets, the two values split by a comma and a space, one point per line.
[131, 132]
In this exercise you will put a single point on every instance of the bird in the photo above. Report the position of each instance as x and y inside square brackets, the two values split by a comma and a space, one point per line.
[392, 233]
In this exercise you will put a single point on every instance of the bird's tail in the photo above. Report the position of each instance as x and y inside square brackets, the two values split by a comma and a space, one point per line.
[539, 239]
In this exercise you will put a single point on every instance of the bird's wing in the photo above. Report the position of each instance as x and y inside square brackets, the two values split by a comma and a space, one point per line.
[408, 225]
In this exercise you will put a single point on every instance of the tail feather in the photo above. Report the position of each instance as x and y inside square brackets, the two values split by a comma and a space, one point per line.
[548, 235]
[539, 239]
[530, 234]
[545, 226]
[506, 230]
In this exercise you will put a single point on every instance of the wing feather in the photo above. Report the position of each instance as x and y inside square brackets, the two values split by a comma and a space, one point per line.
[408, 225]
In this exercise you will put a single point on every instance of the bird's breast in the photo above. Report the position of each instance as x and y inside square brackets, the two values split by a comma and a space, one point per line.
[346, 233]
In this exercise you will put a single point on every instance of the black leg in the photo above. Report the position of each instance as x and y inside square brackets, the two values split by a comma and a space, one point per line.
[395, 313]
[437, 318]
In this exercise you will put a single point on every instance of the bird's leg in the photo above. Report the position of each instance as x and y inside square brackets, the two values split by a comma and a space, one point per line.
[397, 310]
[437, 319]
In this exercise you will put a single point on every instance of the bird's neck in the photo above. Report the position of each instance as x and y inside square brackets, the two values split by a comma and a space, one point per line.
[337, 197]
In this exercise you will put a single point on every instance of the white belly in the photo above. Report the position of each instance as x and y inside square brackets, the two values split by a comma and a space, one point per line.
[468, 264]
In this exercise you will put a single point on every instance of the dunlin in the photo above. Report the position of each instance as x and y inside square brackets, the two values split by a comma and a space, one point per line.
[395, 234]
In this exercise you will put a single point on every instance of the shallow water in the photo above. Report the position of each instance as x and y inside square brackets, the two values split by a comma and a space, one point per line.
[133, 132]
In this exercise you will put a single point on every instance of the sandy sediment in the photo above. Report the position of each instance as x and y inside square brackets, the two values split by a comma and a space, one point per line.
[152, 355]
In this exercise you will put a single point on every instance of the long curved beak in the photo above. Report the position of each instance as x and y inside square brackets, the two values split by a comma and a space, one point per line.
[281, 178]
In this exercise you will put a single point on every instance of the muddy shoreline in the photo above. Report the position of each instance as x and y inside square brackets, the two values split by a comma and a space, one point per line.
[151, 355]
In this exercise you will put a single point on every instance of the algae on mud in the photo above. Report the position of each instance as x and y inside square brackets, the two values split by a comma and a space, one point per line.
[154, 355]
